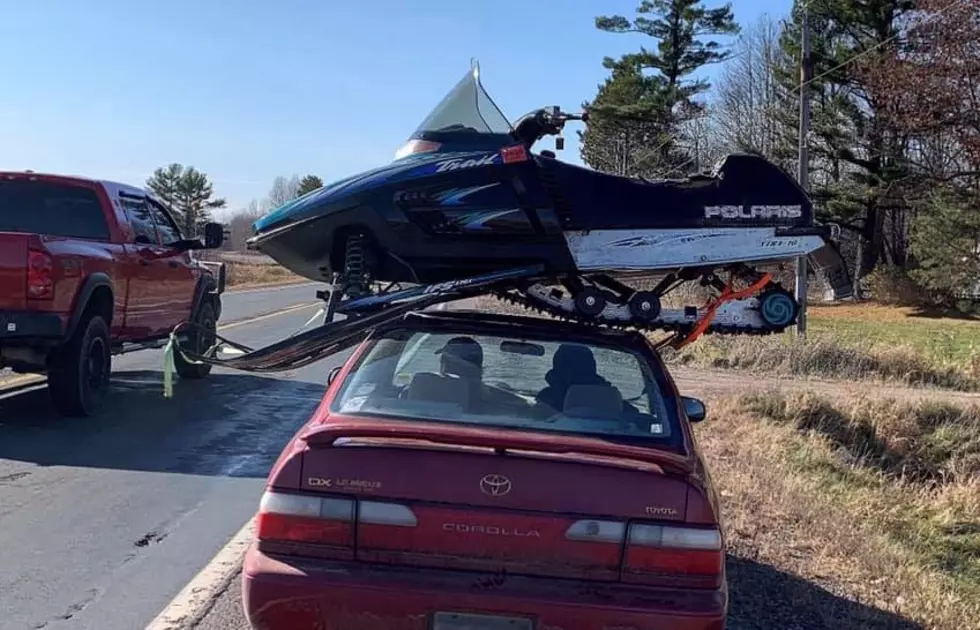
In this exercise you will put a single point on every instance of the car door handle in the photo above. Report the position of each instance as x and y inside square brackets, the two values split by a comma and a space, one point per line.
[173, 263]
[144, 262]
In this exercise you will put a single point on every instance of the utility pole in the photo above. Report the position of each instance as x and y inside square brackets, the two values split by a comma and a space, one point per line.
[804, 164]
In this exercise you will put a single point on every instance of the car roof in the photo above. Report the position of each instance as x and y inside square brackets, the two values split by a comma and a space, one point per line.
[507, 325]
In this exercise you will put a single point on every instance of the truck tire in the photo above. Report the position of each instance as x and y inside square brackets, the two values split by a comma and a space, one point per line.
[78, 372]
[200, 338]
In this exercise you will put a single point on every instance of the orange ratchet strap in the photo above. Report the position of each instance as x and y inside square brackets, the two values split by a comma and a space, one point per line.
[709, 310]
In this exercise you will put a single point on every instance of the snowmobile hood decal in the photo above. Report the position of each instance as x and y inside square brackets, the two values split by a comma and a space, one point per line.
[405, 168]
[648, 240]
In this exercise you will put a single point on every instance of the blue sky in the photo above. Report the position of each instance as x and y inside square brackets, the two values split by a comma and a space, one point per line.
[247, 90]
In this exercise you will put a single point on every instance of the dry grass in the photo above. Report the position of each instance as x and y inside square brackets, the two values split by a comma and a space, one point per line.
[878, 502]
[846, 343]
[247, 275]
[828, 357]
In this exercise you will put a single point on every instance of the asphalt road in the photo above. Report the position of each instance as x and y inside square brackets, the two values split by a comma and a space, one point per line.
[103, 520]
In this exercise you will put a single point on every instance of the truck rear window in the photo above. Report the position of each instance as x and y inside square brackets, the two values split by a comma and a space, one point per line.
[56, 209]
[507, 382]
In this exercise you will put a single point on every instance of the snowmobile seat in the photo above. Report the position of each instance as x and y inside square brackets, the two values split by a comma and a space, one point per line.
[597, 200]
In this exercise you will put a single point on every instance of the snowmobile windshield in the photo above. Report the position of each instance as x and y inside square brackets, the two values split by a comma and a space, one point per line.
[466, 109]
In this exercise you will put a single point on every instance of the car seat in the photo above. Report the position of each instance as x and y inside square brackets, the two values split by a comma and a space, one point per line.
[429, 387]
[593, 402]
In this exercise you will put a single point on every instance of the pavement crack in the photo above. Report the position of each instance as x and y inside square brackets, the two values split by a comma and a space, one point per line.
[81, 604]
[150, 539]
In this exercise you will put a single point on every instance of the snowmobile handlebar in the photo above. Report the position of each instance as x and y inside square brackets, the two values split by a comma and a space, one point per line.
[547, 121]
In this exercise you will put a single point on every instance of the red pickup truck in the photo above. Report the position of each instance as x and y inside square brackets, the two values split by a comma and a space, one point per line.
[90, 269]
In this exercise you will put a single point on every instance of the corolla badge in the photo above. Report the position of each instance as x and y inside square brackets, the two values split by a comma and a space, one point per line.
[495, 485]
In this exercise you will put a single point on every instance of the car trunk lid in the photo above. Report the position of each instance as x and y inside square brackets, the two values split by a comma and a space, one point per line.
[493, 501]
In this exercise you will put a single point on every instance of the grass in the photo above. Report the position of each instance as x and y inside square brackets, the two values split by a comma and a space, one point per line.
[876, 500]
[850, 341]
[865, 341]
[846, 342]
[935, 335]
[247, 275]
[828, 356]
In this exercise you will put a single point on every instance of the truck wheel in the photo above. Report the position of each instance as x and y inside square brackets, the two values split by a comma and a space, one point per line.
[78, 374]
[199, 338]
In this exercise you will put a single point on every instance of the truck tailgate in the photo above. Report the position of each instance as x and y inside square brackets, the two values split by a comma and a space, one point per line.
[13, 270]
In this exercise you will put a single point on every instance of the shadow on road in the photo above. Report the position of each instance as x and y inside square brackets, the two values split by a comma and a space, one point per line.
[230, 424]
[765, 598]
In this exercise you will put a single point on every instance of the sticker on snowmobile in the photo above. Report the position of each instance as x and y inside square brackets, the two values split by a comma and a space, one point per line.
[648, 240]
[779, 243]
[455, 196]
[457, 164]
[753, 212]
[477, 220]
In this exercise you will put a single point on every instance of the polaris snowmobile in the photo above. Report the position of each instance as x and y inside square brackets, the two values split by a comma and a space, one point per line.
[466, 209]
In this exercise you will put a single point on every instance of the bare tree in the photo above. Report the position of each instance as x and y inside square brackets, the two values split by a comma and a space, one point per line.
[284, 189]
[747, 94]
[240, 224]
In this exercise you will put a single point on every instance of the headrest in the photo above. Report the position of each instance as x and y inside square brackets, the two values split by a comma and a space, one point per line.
[430, 387]
[596, 402]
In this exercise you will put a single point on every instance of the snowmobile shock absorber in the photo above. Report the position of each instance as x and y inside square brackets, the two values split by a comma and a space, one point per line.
[355, 279]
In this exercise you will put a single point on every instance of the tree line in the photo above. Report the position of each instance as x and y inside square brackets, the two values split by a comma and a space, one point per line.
[190, 195]
[895, 130]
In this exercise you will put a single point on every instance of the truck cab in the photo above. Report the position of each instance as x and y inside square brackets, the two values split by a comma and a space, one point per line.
[90, 269]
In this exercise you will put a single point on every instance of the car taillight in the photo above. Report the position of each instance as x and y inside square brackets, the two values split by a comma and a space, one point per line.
[40, 281]
[298, 518]
[325, 521]
[668, 554]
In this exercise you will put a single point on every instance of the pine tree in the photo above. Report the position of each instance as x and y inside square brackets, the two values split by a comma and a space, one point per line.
[650, 95]
[165, 183]
[188, 193]
[855, 156]
[309, 184]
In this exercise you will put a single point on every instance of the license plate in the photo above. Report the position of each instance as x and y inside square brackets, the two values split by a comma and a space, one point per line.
[460, 621]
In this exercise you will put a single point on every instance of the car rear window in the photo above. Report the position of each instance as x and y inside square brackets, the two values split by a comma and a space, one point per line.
[508, 382]
[37, 207]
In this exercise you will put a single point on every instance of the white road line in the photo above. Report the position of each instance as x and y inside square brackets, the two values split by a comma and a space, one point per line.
[194, 601]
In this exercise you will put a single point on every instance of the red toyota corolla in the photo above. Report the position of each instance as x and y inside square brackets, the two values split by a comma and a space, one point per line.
[470, 471]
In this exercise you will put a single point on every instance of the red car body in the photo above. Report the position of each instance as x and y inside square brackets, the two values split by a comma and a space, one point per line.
[374, 522]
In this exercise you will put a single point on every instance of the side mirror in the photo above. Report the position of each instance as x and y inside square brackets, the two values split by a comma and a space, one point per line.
[333, 374]
[214, 235]
[694, 409]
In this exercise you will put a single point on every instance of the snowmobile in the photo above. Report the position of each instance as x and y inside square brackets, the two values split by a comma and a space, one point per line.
[467, 209]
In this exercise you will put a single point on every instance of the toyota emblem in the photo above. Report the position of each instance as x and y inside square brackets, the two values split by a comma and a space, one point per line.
[495, 485]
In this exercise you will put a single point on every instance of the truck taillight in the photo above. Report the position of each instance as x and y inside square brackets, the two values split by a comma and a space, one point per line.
[40, 280]
[670, 554]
